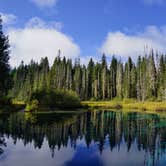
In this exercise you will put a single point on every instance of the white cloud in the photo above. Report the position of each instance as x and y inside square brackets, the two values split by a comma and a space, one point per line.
[37, 41]
[45, 3]
[36, 22]
[154, 2]
[119, 43]
[125, 158]
[8, 19]
[17, 153]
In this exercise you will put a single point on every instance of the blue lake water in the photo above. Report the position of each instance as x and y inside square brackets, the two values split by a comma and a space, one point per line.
[96, 138]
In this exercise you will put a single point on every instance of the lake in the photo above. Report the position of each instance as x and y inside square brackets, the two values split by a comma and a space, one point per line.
[92, 138]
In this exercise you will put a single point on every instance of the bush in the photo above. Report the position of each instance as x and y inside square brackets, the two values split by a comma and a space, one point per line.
[54, 98]
[5, 101]
[33, 105]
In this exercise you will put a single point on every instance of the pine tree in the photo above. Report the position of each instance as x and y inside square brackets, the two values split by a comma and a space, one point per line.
[144, 78]
[77, 77]
[103, 75]
[133, 82]
[69, 75]
[90, 77]
[83, 83]
[162, 78]
[4, 63]
[141, 81]
[119, 80]
[151, 76]
[43, 76]
[127, 86]
[113, 73]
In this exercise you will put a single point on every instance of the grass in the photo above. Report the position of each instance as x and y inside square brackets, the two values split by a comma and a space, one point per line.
[127, 104]
[16, 102]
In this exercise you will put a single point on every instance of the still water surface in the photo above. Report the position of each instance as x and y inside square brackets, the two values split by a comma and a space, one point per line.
[96, 138]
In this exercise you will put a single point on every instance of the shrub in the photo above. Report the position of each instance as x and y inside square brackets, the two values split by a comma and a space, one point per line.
[54, 98]
[33, 105]
[5, 101]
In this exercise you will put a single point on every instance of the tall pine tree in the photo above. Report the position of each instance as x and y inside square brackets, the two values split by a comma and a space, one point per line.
[4, 62]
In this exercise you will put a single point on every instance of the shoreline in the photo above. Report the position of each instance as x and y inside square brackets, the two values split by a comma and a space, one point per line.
[129, 105]
[144, 106]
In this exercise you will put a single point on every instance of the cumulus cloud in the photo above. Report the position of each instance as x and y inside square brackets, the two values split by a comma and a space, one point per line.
[44, 3]
[122, 44]
[8, 19]
[35, 42]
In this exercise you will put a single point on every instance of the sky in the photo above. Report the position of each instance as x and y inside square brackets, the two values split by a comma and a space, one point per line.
[83, 28]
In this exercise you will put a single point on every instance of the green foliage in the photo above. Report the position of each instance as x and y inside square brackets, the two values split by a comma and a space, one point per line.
[53, 99]
[142, 81]
[7, 105]
[33, 105]
[127, 104]
[5, 101]
[5, 81]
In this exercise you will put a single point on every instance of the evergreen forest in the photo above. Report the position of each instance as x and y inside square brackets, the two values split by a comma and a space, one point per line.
[142, 79]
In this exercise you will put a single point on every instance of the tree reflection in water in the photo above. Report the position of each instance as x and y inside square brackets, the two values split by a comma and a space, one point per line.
[148, 131]
[2, 144]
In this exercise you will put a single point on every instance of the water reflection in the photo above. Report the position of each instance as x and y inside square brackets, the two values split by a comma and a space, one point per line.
[98, 137]
[2, 144]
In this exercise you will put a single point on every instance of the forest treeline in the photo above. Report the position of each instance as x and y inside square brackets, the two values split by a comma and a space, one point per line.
[143, 80]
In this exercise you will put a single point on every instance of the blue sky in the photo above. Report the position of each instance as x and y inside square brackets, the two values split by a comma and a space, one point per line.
[88, 27]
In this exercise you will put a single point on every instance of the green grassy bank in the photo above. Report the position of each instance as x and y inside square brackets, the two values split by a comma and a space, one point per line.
[145, 106]
[148, 106]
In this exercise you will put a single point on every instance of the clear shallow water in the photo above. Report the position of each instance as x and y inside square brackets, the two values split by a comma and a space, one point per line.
[99, 138]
